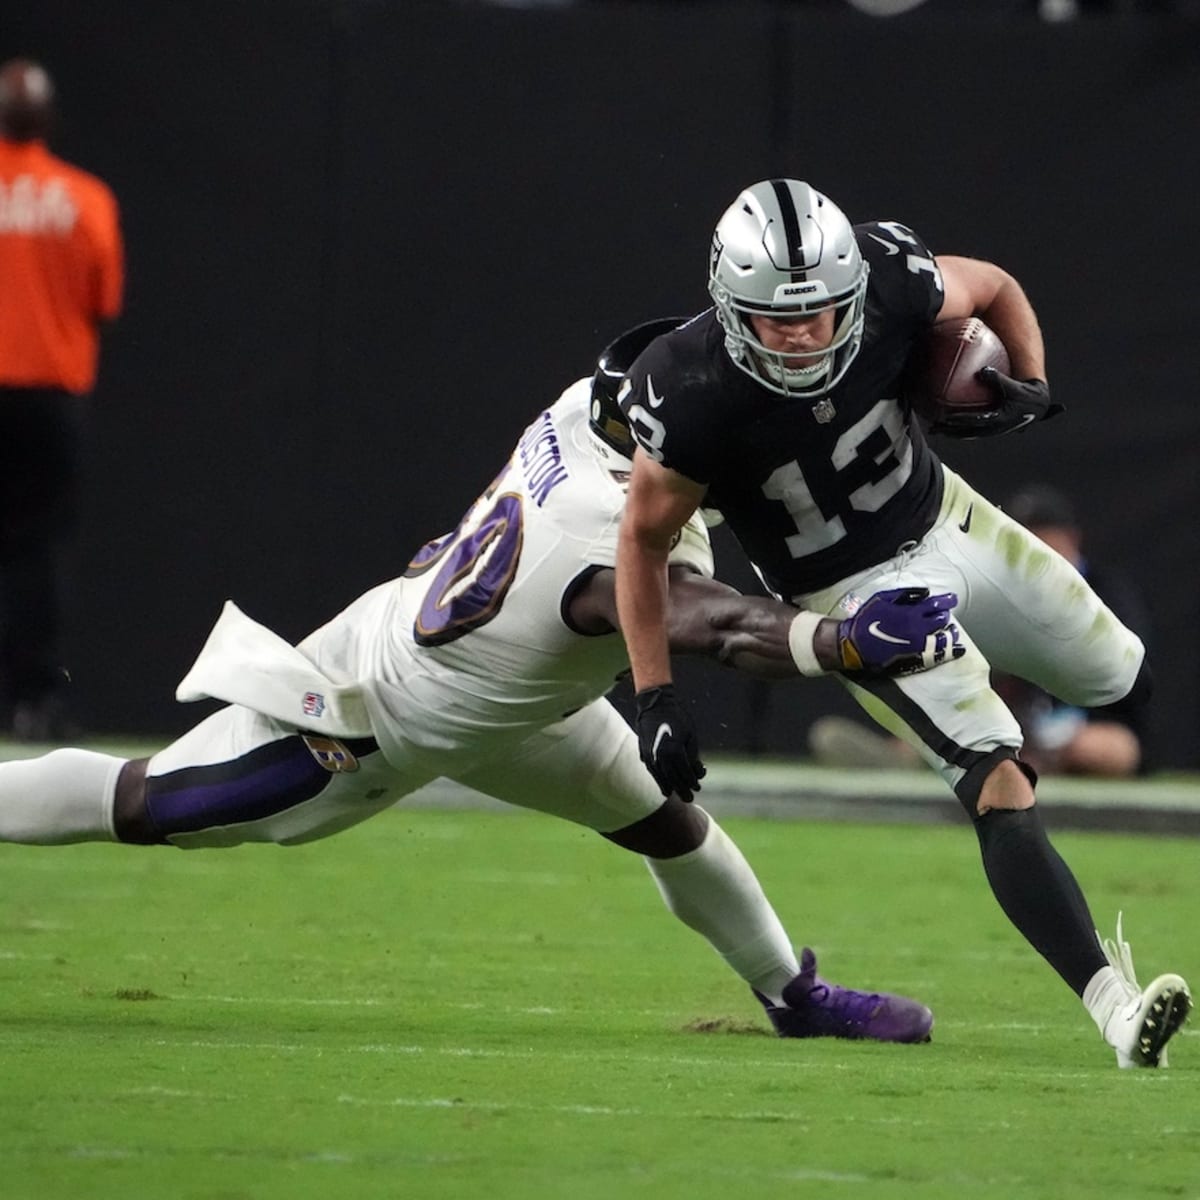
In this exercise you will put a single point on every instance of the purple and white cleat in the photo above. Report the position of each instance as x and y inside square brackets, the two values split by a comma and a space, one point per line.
[815, 1008]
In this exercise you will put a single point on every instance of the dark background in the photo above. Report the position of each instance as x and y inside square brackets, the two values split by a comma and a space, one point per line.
[368, 240]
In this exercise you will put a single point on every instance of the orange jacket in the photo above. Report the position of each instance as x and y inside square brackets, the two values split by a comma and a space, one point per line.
[61, 268]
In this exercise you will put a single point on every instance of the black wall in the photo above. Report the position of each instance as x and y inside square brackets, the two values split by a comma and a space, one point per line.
[368, 240]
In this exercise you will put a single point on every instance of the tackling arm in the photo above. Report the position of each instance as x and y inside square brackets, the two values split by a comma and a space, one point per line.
[894, 633]
[749, 633]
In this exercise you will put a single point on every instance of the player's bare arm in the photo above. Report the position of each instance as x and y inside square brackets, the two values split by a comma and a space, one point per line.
[708, 618]
[773, 640]
[974, 288]
[749, 633]
[659, 503]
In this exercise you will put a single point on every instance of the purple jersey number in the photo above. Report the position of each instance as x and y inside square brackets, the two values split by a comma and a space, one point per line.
[475, 568]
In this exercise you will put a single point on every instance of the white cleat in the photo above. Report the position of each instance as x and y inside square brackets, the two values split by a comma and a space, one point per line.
[1140, 1029]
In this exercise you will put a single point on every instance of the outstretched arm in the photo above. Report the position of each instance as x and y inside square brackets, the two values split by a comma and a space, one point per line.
[750, 633]
[765, 637]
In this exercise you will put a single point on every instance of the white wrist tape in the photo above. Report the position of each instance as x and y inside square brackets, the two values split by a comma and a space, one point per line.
[800, 642]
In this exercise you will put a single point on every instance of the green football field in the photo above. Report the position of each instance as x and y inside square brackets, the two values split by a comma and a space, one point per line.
[467, 1004]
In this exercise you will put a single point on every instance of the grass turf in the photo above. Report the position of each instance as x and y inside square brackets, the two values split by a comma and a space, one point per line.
[479, 1004]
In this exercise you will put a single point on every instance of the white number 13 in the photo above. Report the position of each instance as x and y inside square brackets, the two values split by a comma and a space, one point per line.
[887, 460]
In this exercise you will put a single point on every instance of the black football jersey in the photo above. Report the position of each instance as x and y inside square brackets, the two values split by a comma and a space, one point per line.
[814, 489]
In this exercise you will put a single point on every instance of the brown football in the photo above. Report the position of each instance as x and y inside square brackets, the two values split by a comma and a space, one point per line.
[942, 376]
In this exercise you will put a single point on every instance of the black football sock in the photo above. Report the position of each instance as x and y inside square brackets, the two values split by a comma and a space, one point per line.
[1039, 894]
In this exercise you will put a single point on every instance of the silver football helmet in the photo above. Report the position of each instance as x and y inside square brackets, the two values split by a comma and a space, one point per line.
[783, 249]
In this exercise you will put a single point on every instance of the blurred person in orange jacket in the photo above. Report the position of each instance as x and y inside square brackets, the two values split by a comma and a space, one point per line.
[61, 277]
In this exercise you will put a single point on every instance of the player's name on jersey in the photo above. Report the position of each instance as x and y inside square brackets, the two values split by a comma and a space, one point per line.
[541, 459]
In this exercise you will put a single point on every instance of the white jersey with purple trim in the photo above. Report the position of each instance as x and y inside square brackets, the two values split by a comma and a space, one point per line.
[473, 647]
[465, 668]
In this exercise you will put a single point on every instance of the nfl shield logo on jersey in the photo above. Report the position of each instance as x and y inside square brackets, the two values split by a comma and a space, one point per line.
[313, 704]
[824, 411]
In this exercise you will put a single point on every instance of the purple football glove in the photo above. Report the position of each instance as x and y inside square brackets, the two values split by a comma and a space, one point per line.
[900, 632]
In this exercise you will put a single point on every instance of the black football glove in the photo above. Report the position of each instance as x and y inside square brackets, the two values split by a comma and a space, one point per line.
[667, 741]
[1022, 401]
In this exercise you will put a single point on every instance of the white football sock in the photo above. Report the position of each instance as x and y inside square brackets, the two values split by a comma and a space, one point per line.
[713, 890]
[1106, 993]
[65, 796]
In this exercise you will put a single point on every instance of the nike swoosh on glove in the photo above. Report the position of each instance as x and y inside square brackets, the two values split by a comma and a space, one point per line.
[900, 631]
[1022, 401]
[667, 741]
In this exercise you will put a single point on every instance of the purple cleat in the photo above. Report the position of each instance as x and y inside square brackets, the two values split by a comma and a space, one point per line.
[815, 1008]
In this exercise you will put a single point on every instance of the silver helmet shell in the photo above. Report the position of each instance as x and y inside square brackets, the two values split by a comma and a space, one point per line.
[783, 249]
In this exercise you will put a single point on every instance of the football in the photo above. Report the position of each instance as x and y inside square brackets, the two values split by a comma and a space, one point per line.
[941, 379]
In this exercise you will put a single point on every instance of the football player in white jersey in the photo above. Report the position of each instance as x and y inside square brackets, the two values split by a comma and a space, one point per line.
[782, 407]
[487, 663]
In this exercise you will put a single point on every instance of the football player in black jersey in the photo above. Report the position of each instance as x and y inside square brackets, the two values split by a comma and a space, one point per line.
[781, 406]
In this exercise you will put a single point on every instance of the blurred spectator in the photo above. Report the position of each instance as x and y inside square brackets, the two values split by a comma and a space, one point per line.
[835, 741]
[1059, 739]
[61, 275]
